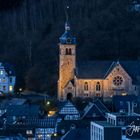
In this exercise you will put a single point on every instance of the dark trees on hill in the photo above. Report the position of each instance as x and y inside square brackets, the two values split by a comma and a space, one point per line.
[29, 32]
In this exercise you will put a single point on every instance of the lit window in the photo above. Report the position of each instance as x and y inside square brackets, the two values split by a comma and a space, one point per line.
[29, 132]
[1, 72]
[86, 86]
[98, 86]
[10, 88]
[124, 94]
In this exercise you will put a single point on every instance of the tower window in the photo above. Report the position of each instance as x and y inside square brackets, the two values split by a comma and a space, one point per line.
[86, 86]
[98, 86]
[68, 51]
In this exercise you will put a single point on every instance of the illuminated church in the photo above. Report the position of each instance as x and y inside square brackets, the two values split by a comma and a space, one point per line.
[93, 78]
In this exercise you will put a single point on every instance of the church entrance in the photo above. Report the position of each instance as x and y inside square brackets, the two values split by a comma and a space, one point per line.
[69, 96]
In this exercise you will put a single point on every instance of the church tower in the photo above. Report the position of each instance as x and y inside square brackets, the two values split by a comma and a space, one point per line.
[67, 60]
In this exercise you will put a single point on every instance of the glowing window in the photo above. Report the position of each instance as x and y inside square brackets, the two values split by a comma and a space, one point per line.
[1, 72]
[10, 88]
[86, 86]
[98, 86]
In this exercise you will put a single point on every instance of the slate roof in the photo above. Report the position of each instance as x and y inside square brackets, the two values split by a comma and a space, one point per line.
[97, 108]
[9, 69]
[92, 69]
[23, 110]
[67, 35]
[100, 69]
[77, 134]
[68, 108]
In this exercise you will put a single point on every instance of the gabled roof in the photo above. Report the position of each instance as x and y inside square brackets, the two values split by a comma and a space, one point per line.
[100, 69]
[77, 134]
[68, 108]
[71, 81]
[97, 109]
[42, 123]
[9, 69]
[92, 69]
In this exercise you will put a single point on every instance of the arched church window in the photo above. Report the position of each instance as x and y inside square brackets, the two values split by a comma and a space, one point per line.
[98, 86]
[86, 86]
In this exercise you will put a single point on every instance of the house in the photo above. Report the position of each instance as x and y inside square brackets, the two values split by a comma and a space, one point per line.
[7, 78]
[93, 78]
[95, 111]
[19, 113]
[121, 102]
[69, 112]
[102, 130]
[48, 129]
[119, 125]
[7, 102]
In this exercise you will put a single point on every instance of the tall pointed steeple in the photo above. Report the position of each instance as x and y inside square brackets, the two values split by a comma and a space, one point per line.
[67, 37]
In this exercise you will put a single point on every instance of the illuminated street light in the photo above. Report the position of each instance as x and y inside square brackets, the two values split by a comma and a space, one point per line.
[20, 89]
[48, 102]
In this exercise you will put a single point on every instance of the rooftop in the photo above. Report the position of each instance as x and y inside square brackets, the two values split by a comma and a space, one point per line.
[104, 124]
[118, 114]
[101, 69]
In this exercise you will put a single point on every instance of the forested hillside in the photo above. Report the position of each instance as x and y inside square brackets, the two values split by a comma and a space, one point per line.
[29, 32]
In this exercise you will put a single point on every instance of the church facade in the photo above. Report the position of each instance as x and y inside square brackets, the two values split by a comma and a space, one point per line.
[93, 78]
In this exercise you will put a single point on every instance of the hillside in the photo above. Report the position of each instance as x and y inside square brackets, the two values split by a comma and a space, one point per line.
[29, 32]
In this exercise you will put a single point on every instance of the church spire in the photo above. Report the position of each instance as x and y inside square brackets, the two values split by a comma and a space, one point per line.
[67, 25]
[67, 37]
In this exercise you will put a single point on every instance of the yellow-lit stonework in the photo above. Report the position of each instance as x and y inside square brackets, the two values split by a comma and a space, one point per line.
[94, 79]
